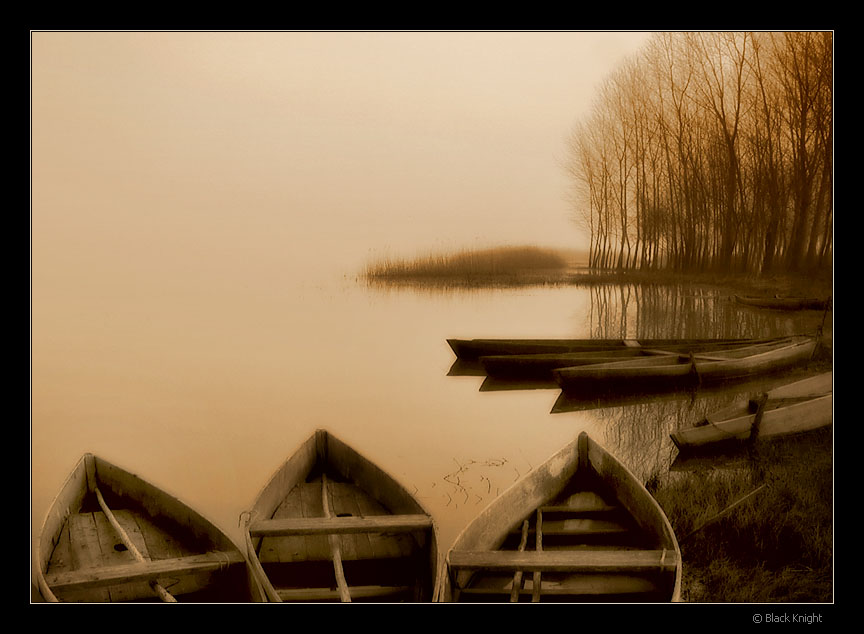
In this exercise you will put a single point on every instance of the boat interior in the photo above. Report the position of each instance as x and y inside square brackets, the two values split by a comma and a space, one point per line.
[367, 559]
[581, 546]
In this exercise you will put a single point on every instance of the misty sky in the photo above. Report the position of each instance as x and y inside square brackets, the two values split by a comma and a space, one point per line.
[151, 148]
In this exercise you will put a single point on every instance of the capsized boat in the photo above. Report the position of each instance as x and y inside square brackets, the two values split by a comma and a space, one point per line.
[580, 528]
[669, 372]
[109, 536]
[332, 526]
[794, 408]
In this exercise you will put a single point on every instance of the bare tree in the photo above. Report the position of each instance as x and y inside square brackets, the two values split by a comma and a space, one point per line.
[712, 150]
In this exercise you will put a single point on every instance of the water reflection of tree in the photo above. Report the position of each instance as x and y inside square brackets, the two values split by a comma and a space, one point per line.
[640, 433]
[679, 311]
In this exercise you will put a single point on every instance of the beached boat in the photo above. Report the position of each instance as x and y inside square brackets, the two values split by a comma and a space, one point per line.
[785, 303]
[540, 366]
[791, 409]
[580, 528]
[473, 349]
[332, 526]
[109, 536]
[666, 372]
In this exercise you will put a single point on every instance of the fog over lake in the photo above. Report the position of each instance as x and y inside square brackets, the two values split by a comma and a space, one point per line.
[202, 204]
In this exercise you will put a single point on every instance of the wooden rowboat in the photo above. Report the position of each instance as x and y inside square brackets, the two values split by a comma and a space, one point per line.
[580, 528]
[785, 303]
[685, 371]
[332, 526]
[540, 366]
[109, 536]
[791, 409]
[473, 349]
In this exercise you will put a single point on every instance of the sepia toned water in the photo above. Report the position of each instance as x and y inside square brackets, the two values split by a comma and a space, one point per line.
[201, 204]
[204, 389]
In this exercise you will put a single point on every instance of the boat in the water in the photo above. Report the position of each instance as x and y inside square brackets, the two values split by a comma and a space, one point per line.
[791, 409]
[332, 526]
[580, 528]
[109, 536]
[785, 303]
[677, 371]
[540, 366]
[473, 349]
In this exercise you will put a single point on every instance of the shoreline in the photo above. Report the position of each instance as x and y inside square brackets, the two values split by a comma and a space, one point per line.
[819, 285]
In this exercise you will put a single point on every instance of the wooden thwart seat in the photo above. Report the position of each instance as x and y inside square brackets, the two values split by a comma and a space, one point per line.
[339, 525]
[585, 528]
[594, 586]
[330, 594]
[581, 503]
[630, 561]
[141, 571]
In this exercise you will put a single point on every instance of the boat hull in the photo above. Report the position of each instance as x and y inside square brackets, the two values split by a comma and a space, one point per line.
[594, 534]
[330, 525]
[789, 410]
[473, 349]
[541, 366]
[686, 371]
[83, 556]
[785, 303]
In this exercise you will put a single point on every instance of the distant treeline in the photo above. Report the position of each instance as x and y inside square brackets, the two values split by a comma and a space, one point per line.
[711, 151]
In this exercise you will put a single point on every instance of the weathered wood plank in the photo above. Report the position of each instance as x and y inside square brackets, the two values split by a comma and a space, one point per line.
[159, 543]
[317, 546]
[84, 541]
[115, 552]
[61, 557]
[340, 525]
[596, 585]
[79, 549]
[517, 576]
[162, 544]
[354, 546]
[384, 546]
[566, 561]
[142, 571]
[535, 595]
[583, 527]
[285, 549]
[328, 594]
[584, 502]
[335, 546]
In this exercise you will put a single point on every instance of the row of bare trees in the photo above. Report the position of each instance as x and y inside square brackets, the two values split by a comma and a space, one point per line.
[711, 151]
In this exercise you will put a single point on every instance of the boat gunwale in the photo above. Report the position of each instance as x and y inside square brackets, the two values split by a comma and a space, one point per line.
[472, 349]
[649, 367]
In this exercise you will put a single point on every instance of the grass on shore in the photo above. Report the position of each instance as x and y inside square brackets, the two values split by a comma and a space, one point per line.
[531, 265]
[774, 546]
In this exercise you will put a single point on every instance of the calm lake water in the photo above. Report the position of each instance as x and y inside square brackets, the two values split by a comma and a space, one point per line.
[205, 389]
